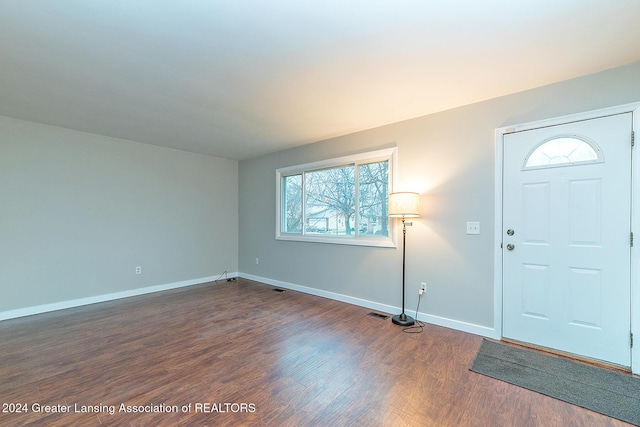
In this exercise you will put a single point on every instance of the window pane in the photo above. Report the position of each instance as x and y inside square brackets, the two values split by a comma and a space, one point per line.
[562, 151]
[373, 194]
[292, 204]
[330, 201]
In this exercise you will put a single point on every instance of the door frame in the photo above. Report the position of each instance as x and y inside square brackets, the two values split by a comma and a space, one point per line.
[633, 108]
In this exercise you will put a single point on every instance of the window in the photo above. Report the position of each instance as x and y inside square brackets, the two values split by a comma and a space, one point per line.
[563, 151]
[342, 200]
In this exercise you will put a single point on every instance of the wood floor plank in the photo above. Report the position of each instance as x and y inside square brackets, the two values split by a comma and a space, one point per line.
[294, 359]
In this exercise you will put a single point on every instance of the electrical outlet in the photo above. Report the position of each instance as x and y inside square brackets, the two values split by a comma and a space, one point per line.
[473, 228]
[423, 287]
[138, 270]
[257, 261]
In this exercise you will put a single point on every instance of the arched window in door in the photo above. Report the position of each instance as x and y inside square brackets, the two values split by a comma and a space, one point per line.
[566, 150]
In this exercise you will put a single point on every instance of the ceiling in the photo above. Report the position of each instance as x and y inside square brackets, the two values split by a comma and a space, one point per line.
[242, 78]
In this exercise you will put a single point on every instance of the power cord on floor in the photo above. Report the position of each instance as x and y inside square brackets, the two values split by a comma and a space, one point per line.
[226, 277]
[418, 326]
[224, 273]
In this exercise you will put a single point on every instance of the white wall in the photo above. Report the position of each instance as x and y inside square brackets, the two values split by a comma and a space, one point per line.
[79, 211]
[449, 158]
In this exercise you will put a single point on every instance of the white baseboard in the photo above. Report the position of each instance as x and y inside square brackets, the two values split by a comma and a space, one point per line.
[45, 308]
[435, 320]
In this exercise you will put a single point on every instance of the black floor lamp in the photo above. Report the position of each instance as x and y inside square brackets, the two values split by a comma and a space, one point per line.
[403, 205]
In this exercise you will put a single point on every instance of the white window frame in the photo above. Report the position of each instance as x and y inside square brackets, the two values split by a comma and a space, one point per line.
[389, 241]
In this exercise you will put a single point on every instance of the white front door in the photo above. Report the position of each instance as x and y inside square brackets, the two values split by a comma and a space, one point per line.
[566, 237]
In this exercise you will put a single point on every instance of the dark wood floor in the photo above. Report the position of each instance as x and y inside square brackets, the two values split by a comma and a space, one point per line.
[266, 358]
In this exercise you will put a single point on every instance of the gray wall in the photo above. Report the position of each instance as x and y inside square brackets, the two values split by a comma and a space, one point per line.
[449, 158]
[79, 211]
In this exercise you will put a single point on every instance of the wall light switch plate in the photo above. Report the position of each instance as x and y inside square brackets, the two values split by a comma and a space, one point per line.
[473, 228]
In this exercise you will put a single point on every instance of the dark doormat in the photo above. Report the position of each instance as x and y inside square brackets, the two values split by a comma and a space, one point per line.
[610, 393]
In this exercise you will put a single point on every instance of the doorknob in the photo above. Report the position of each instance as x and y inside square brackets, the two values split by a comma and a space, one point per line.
[510, 232]
[510, 246]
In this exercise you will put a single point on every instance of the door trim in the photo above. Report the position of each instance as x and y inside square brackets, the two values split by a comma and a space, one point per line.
[633, 108]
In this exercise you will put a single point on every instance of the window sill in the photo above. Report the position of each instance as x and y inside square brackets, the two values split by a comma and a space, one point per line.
[378, 242]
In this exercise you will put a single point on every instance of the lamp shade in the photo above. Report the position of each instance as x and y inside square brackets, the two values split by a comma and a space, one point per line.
[404, 205]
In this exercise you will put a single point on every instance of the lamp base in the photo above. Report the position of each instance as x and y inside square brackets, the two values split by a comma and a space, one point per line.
[402, 320]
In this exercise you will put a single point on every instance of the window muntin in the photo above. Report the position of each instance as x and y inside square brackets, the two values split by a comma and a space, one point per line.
[343, 200]
[563, 151]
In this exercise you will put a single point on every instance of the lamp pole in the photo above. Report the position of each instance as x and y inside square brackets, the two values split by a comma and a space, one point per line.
[402, 319]
[403, 205]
